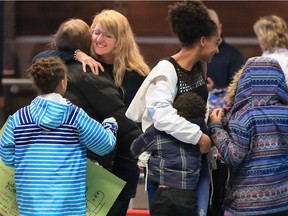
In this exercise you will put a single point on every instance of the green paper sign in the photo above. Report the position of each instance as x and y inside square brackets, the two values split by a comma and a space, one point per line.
[102, 189]
[8, 203]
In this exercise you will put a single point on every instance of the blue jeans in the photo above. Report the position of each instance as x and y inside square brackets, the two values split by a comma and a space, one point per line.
[203, 188]
[151, 188]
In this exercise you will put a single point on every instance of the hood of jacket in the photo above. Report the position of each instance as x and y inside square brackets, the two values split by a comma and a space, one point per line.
[49, 111]
[262, 83]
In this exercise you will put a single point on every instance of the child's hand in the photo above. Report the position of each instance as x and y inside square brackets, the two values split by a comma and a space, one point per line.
[110, 124]
[216, 115]
[141, 168]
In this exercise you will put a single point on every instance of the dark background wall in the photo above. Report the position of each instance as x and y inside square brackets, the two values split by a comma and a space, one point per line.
[147, 18]
[1, 40]
[27, 26]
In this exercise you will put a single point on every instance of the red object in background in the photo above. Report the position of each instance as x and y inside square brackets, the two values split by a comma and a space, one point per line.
[137, 212]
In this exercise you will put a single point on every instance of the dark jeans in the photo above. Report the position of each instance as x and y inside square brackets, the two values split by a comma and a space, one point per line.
[219, 178]
[151, 188]
[173, 201]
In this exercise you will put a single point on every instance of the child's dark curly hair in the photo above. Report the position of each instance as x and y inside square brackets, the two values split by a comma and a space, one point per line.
[190, 21]
[47, 73]
[190, 105]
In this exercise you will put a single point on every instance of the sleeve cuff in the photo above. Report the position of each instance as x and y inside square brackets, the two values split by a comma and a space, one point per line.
[215, 125]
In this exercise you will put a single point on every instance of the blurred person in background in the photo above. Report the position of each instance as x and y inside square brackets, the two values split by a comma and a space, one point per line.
[222, 67]
[272, 34]
[221, 70]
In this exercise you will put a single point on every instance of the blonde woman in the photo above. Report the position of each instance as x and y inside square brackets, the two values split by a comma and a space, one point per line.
[114, 46]
[272, 33]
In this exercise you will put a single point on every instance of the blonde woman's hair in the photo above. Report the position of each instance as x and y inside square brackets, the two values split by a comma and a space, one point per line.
[272, 31]
[127, 53]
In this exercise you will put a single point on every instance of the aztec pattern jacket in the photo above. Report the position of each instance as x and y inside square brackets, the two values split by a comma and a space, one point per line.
[255, 146]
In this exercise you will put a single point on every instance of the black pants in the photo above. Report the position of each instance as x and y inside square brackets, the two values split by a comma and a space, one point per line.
[219, 177]
[126, 168]
[119, 208]
[173, 201]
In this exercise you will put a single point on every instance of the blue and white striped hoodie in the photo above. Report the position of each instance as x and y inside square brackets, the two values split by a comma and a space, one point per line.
[46, 144]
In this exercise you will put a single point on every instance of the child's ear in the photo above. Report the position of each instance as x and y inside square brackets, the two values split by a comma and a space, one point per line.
[61, 88]
[64, 84]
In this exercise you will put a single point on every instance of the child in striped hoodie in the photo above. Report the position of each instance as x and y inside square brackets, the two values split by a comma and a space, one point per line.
[46, 143]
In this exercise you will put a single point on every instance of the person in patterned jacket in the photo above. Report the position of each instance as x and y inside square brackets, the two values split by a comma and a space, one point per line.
[46, 143]
[255, 148]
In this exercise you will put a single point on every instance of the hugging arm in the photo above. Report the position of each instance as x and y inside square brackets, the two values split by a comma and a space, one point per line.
[70, 55]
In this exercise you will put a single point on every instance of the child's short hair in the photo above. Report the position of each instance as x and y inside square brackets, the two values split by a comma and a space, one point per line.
[190, 105]
[47, 73]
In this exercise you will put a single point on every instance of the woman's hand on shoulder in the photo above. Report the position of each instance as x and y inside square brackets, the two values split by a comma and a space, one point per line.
[87, 60]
